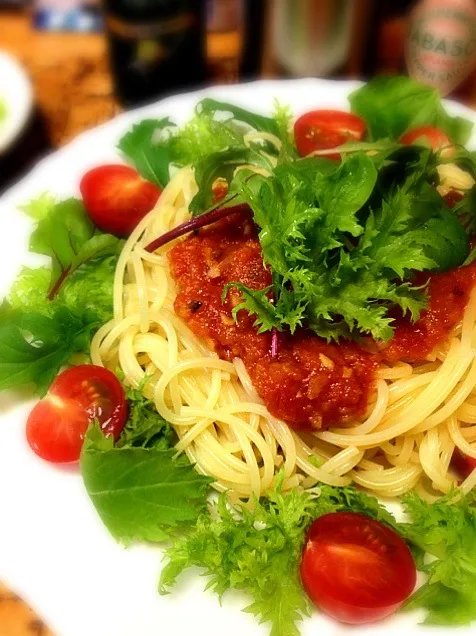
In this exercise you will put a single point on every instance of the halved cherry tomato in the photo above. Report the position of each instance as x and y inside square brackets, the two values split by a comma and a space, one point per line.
[323, 129]
[463, 464]
[356, 569]
[436, 138]
[79, 396]
[117, 198]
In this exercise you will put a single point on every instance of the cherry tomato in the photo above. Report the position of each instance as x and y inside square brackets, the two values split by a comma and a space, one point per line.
[463, 464]
[117, 198]
[57, 425]
[356, 569]
[436, 138]
[323, 129]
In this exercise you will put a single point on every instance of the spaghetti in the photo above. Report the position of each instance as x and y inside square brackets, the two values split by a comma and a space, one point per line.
[418, 414]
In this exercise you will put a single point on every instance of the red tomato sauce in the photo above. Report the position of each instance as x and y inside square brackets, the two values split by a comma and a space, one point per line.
[449, 294]
[310, 384]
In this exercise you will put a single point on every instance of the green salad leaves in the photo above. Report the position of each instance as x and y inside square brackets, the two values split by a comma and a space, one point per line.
[254, 551]
[392, 105]
[34, 347]
[65, 233]
[258, 551]
[140, 488]
[52, 312]
[446, 530]
[213, 142]
[140, 493]
[343, 243]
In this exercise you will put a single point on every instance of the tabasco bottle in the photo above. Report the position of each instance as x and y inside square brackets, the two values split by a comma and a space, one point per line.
[155, 46]
[441, 44]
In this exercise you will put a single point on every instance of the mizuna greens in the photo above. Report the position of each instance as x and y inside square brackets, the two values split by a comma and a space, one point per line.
[343, 242]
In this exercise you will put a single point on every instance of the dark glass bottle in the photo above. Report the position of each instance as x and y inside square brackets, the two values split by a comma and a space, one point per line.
[156, 47]
[255, 13]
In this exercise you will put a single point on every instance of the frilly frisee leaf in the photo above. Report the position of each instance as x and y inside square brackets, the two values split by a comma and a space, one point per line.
[446, 529]
[256, 303]
[257, 548]
[145, 427]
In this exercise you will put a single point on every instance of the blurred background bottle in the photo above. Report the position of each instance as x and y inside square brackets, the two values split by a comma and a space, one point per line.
[317, 38]
[433, 41]
[441, 44]
[235, 40]
[255, 19]
[224, 39]
[385, 46]
[155, 47]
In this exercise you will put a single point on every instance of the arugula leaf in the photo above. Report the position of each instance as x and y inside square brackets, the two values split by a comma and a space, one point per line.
[140, 493]
[343, 193]
[145, 147]
[34, 347]
[65, 233]
[392, 105]
[253, 120]
[446, 530]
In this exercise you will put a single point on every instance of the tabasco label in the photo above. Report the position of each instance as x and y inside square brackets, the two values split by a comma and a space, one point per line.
[441, 44]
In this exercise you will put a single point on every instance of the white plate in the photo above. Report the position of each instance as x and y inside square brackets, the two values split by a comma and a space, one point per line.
[54, 551]
[16, 92]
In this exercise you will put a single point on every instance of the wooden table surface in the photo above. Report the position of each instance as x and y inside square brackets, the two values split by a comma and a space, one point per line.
[70, 74]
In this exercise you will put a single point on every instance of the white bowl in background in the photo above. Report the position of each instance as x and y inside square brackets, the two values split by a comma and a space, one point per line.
[17, 93]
